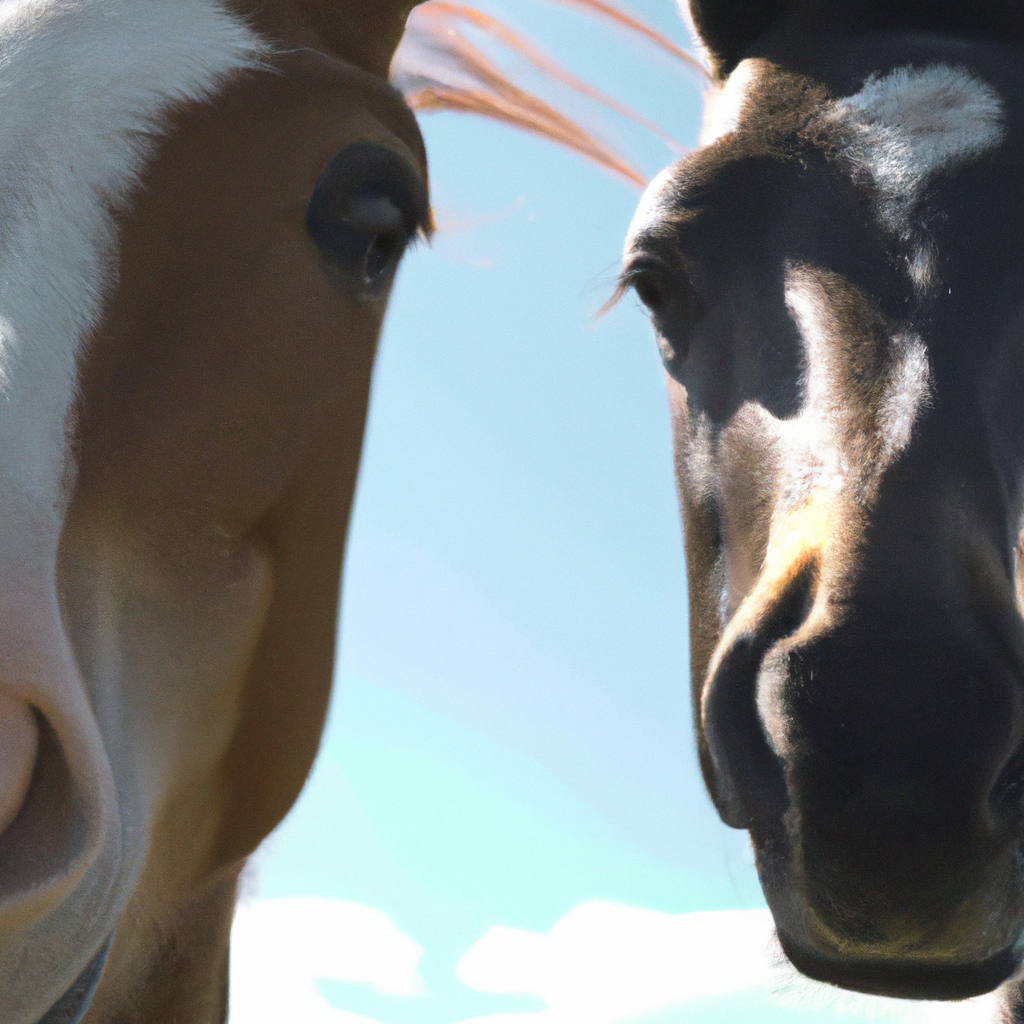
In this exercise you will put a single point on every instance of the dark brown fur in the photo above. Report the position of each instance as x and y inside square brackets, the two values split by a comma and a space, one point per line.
[856, 638]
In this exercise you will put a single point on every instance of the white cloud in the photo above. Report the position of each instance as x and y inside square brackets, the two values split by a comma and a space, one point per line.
[279, 948]
[602, 963]
[605, 963]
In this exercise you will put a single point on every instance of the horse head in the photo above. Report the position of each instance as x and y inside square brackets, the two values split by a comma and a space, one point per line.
[203, 206]
[837, 286]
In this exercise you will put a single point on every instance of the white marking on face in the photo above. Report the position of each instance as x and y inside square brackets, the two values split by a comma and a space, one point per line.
[724, 104]
[814, 460]
[651, 207]
[784, 483]
[906, 127]
[84, 85]
[908, 390]
[701, 471]
[921, 266]
[904, 387]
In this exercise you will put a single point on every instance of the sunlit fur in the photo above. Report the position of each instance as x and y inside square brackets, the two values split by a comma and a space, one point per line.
[184, 375]
[834, 279]
[86, 87]
[724, 102]
[905, 127]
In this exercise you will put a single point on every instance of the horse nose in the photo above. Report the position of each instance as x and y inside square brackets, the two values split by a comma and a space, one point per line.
[898, 713]
[67, 852]
[941, 978]
[895, 688]
[19, 744]
[875, 751]
[747, 781]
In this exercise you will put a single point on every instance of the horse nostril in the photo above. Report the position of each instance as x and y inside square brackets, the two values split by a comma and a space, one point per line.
[749, 783]
[1006, 798]
[19, 745]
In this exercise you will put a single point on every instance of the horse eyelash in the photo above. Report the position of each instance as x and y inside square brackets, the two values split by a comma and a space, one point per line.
[614, 299]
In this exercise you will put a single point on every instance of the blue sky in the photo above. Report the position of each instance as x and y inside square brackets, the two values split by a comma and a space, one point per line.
[506, 823]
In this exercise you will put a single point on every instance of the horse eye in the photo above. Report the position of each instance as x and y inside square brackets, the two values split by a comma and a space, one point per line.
[651, 290]
[660, 288]
[368, 204]
[668, 294]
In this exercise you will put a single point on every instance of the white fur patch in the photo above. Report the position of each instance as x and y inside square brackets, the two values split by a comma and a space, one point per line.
[905, 127]
[816, 455]
[921, 265]
[652, 205]
[83, 87]
[814, 458]
[908, 389]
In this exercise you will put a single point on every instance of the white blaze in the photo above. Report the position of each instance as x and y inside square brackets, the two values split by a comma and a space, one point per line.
[906, 127]
[83, 87]
[903, 390]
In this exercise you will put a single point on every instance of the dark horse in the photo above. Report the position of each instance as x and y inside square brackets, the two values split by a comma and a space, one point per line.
[836, 279]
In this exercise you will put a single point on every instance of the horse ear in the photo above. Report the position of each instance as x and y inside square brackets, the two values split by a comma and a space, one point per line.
[363, 32]
[728, 27]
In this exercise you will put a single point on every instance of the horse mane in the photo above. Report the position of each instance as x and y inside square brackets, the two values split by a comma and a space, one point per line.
[441, 66]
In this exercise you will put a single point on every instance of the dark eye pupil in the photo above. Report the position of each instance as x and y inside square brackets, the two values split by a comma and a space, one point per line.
[650, 292]
[383, 251]
[365, 236]
[379, 223]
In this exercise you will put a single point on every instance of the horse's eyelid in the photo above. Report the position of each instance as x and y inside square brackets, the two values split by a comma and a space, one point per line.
[426, 228]
[631, 274]
[421, 236]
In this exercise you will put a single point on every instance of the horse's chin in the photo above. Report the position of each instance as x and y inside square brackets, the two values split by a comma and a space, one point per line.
[967, 947]
[939, 979]
[954, 935]
[72, 1006]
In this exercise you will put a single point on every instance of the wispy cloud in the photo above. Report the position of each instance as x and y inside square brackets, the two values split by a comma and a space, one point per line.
[605, 963]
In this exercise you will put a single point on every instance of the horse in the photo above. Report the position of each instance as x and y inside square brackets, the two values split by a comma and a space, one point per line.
[836, 283]
[203, 206]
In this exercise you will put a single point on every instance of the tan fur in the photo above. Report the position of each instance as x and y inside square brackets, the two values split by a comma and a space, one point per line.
[219, 426]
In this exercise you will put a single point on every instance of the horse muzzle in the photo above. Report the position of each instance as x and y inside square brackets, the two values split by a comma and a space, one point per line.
[72, 1006]
[874, 751]
[938, 979]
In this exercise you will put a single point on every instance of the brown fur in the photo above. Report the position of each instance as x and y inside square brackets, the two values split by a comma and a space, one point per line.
[848, 437]
[218, 435]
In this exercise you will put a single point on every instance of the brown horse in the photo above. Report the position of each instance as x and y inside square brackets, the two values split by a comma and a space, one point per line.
[204, 203]
[837, 284]
[203, 206]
